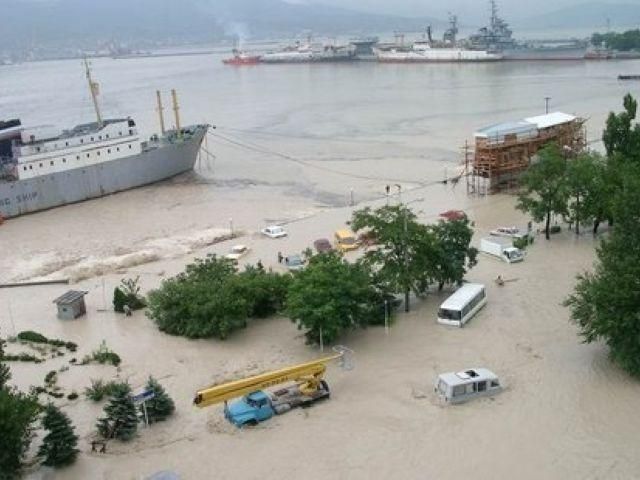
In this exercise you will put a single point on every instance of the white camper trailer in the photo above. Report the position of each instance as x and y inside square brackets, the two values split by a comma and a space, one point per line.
[458, 387]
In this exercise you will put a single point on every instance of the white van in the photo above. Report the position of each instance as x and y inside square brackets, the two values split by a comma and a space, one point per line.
[460, 307]
[458, 387]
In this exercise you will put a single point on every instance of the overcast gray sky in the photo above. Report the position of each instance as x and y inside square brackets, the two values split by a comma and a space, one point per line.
[465, 9]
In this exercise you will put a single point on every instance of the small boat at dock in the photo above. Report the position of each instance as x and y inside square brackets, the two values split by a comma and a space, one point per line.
[628, 77]
[241, 58]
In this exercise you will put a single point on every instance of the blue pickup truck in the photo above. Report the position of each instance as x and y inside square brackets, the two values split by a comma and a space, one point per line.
[259, 406]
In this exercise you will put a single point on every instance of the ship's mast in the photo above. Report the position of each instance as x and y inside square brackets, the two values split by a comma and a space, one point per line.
[94, 88]
[494, 14]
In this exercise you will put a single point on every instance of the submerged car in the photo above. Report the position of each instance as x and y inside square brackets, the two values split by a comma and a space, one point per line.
[458, 387]
[237, 252]
[294, 262]
[322, 245]
[346, 241]
[511, 232]
[274, 231]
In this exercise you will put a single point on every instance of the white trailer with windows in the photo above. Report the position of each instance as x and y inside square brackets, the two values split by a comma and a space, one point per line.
[460, 307]
[458, 387]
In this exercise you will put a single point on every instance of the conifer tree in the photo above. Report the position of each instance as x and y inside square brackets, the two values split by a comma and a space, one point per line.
[121, 420]
[5, 373]
[160, 406]
[59, 445]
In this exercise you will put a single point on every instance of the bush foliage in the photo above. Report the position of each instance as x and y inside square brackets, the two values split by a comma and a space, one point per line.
[210, 299]
[128, 293]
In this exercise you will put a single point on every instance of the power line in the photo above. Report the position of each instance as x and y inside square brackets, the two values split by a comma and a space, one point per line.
[266, 151]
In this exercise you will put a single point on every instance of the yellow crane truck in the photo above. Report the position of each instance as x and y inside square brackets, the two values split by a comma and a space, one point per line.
[257, 405]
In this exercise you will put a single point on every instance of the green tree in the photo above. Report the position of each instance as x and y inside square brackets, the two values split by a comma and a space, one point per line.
[160, 406]
[605, 302]
[456, 254]
[332, 296]
[120, 420]
[621, 136]
[407, 255]
[59, 445]
[5, 373]
[544, 187]
[584, 186]
[18, 412]
[199, 303]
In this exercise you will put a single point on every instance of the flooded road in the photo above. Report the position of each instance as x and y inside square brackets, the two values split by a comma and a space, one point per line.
[291, 145]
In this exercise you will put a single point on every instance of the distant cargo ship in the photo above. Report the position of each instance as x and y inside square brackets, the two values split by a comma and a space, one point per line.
[41, 168]
[497, 37]
[310, 53]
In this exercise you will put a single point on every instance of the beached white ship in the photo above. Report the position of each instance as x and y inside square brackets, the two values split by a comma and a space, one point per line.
[43, 167]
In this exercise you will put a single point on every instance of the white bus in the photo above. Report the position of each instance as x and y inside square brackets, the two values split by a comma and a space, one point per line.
[460, 307]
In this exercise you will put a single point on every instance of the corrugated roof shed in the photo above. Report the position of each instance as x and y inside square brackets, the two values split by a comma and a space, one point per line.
[69, 297]
[550, 119]
[507, 128]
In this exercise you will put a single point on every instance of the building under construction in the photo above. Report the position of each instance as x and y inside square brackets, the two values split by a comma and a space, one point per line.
[504, 151]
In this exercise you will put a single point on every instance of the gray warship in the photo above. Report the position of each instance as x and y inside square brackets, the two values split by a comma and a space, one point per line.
[497, 37]
[43, 168]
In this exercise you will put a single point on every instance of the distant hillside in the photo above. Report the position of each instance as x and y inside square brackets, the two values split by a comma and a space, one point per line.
[28, 23]
[588, 15]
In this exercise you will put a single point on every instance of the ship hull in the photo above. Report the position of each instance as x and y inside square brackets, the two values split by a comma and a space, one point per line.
[570, 53]
[62, 188]
[438, 56]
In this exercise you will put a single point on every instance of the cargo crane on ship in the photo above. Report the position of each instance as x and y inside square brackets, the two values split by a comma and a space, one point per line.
[256, 405]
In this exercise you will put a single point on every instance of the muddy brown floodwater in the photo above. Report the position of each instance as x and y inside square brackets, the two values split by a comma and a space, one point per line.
[566, 412]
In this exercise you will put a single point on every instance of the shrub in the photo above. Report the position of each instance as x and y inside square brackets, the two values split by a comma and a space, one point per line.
[100, 389]
[31, 336]
[51, 378]
[128, 293]
[35, 337]
[521, 243]
[104, 355]
[72, 396]
[263, 291]
[22, 357]
[199, 303]
[210, 299]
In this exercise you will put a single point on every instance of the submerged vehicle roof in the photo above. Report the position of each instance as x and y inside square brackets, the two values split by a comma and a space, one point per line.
[467, 376]
[461, 296]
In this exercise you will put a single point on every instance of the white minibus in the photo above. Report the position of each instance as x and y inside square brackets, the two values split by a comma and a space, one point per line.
[460, 307]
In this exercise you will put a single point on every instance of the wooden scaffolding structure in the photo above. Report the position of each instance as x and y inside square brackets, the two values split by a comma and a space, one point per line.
[501, 157]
